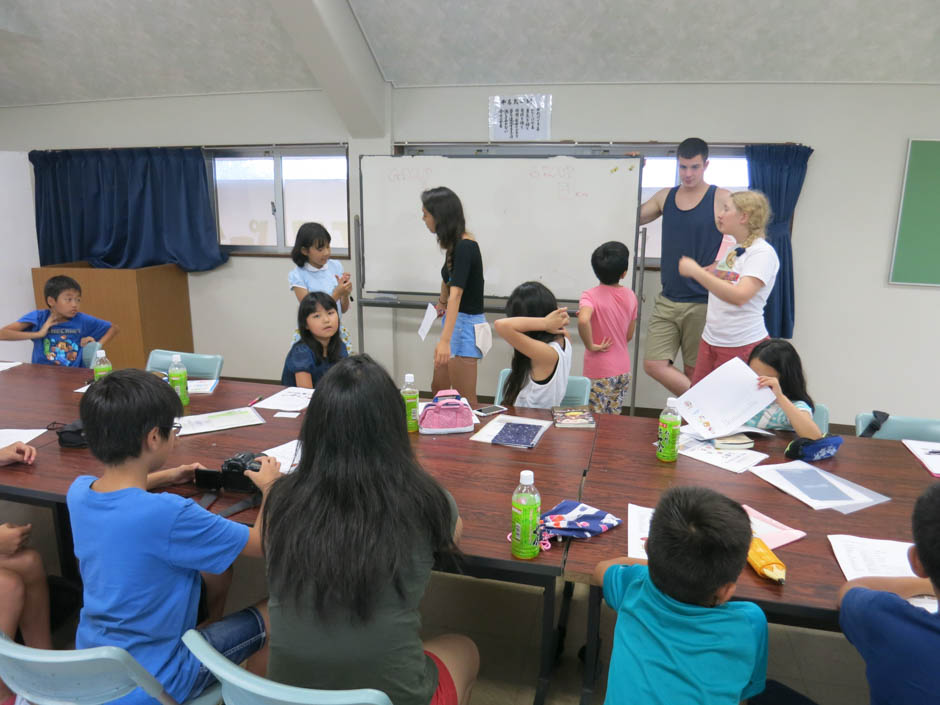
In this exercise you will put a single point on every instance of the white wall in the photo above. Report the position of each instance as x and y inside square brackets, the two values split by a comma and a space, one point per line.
[864, 343]
[19, 248]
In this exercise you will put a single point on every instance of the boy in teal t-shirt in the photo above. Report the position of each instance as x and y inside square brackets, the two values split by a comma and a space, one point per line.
[678, 641]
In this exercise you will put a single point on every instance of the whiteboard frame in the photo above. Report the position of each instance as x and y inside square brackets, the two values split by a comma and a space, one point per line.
[897, 228]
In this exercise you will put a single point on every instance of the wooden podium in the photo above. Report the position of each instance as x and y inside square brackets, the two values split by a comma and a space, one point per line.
[150, 306]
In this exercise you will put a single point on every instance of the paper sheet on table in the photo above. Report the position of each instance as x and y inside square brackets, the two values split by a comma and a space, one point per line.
[927, 453]
[82, 390]
[720, 403]
[219, 420]
[287, 415]
[489, 431]
[463, 400]
[731, 460]
[771, 531]
[430, 315]
[8, 365]
[290, 399]
[23, 435]
[818, 488]
[288, 454]
[689, 432]
[859, 557]
[201, 386]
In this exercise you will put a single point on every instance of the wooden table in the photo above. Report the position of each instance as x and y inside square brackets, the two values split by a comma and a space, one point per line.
[481, 476]
[624, 469]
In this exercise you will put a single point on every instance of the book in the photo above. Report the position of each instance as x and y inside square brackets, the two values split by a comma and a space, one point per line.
[738, 441]
[517, 435]
[573, 417]
[493, 428]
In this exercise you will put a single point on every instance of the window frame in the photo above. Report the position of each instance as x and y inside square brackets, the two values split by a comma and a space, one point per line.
[276, 152]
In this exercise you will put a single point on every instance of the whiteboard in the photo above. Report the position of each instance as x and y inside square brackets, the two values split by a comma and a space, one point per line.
[535, 218]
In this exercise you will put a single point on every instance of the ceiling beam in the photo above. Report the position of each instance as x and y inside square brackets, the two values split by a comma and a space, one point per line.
[328, 37]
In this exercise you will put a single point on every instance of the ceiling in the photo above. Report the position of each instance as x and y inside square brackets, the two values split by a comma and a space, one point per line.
[56, 51]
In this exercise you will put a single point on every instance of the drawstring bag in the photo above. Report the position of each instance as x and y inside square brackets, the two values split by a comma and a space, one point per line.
[578, 520]
[70, 435]
[447, 413]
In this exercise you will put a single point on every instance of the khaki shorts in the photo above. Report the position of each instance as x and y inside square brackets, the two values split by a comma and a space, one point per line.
[674, 325]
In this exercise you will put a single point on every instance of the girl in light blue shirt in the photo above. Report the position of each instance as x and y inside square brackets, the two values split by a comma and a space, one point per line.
[778, 367]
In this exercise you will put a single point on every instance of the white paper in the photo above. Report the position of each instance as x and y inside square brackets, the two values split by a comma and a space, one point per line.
[430, 315]
[924, 602]
[290, 399]
[82, 390]
[201, 386]
[688, 431]
[727, 397]
[859, 557]
[732, 460]
[288, 454]
[483, 337]
[23, 435]
[287, 415]
[8, 365]
[488, 432]
[926, 452]
[219, 420]
[769, 473]
[638, 529]
[524, 117]
[463, 400]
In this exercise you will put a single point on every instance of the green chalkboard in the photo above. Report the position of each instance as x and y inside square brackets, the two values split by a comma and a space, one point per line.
[917, 243]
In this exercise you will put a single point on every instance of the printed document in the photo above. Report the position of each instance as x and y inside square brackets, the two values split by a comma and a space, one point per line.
[720, 403]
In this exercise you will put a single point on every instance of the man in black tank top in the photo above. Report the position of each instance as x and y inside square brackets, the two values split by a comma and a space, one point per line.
[678, 319]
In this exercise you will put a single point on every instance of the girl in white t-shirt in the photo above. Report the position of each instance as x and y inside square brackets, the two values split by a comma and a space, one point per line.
[738, 286]
[541, 363]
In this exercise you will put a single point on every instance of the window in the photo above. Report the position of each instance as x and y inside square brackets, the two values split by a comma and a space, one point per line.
[263, 195]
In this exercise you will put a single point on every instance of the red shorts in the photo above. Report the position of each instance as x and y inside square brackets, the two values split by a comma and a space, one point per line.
[446, 693]
[711, 357]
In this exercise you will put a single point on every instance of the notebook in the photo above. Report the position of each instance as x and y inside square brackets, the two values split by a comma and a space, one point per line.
[517, 435]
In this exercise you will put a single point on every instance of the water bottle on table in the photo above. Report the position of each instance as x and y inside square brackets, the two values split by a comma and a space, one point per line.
[526, 513]
[410, 394]
[102, 365]
[178, 379]
[669, 421]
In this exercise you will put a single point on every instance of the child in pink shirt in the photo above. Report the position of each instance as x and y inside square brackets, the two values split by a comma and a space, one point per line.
[606, 323]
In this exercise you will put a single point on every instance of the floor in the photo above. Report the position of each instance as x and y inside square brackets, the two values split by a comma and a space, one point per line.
[503, 619]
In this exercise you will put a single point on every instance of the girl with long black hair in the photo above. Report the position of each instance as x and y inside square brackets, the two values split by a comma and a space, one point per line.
[350, 538]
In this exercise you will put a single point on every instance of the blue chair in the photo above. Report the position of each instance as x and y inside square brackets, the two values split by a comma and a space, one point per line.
[197, 366]
[821, 417]
[577, 393]
[239, 687]
[88, 354]
[81, 677]
[901, 427]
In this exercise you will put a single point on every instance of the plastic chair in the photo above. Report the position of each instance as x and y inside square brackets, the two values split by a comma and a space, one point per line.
[239, 687]
[577, 393]
[197, 366]
[821, 417]
[81, 677]
[901, 427]
[88, 354]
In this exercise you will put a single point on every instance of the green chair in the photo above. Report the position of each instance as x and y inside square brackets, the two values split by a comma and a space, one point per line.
[901, 427]
[821, 417]
[81, 677]
[577, 393]
[239, 687]
[88, 354]
[197, 366]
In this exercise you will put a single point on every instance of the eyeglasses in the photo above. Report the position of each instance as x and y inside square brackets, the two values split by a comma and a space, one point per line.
[175, 427]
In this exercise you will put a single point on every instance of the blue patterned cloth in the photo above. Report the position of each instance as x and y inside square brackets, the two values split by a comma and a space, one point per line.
[581, 521]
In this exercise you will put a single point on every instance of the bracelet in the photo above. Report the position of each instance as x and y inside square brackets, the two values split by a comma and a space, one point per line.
[441, 302]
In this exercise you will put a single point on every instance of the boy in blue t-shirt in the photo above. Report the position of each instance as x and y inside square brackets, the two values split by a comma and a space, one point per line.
[899, 641]
[677, 640]
[141, 553]
[60, 332]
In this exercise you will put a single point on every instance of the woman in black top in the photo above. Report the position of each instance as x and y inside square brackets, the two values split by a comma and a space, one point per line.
[461, 301]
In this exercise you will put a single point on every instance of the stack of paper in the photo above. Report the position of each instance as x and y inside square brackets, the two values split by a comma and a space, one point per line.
[491, 431]
[818, 488]
[288, 454]
[723, 400]
[926, 452]
[771, 531]
[219, 420]
[732, 460]
[290, 399]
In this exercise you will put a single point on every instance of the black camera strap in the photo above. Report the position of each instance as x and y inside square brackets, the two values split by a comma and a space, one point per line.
[207, 500]
[240, 506]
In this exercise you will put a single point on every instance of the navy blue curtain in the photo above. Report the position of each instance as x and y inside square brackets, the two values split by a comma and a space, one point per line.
[125, 208]
[778, 171]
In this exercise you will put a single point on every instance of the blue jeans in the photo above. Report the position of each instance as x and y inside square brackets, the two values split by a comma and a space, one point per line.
[236, 637]
[463, 342]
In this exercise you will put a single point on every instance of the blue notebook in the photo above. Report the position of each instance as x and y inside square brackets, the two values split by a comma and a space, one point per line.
[518, 435]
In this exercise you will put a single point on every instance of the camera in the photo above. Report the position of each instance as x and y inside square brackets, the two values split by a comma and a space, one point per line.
[232, 477]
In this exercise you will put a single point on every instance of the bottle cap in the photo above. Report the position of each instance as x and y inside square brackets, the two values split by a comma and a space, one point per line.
[100, 353]
[409, 378]
[526, 477]
[672, 401]
[177, 358]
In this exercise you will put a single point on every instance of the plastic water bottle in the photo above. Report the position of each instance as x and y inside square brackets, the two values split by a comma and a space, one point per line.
[178, 379]
[102, 365]
[526, 512]
[669, 422]
[410, 394]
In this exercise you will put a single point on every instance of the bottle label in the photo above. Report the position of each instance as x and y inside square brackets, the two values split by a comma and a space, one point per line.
[525, 529]
[411, 410]
[668, 449]
[178, 382]
[101, 370]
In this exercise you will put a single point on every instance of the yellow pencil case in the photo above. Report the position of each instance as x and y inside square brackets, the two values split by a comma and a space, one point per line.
[764, 562]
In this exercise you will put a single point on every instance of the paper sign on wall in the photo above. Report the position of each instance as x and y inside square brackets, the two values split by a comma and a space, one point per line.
[520, 118]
